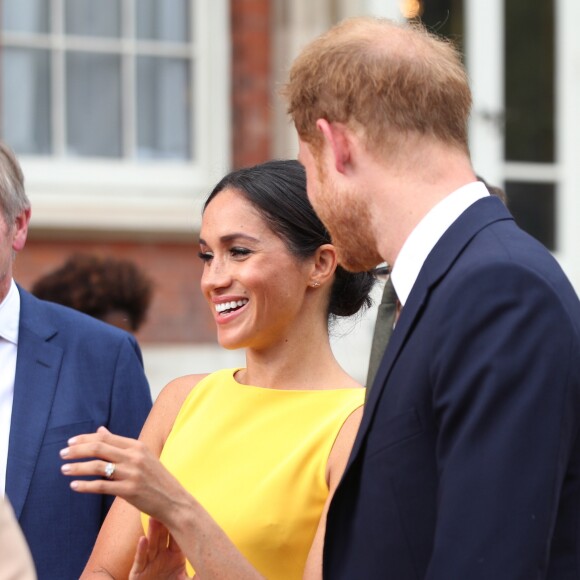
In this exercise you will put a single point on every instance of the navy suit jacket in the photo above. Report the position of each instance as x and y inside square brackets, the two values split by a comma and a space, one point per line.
[467, 462]
[73, 374]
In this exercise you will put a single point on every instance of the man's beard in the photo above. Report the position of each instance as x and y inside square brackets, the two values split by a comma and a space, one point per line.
[346, 216]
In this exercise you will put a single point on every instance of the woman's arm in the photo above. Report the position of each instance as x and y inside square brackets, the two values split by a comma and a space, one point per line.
[114, 549]
[336, 465]
[141, 480]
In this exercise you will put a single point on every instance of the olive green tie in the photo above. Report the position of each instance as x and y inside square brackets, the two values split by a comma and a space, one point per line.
[383, 329]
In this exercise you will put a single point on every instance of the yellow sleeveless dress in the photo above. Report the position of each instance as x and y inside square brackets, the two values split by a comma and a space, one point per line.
[255, 458]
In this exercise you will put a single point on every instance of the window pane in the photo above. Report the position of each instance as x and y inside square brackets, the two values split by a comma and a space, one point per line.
[163, 108]
[534, 207]
[93, 17]
[26, 100]
[93, 106]
[163, 20]
[25, 15]
[529, 80]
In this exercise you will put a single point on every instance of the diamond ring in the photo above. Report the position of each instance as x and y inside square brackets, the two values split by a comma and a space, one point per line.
[110, 470]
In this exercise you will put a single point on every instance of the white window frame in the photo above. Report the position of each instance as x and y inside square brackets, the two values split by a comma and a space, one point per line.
[485, 63]
[567, 90]
[128, 194]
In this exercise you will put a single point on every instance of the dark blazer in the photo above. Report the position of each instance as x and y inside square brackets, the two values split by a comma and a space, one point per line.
[467, 462]
[73, 374]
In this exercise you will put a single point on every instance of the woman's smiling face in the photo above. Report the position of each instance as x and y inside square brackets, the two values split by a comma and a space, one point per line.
[254, 286]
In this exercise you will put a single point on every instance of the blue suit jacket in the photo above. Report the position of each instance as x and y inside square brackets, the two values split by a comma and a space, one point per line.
[73, 374]
[467, 462]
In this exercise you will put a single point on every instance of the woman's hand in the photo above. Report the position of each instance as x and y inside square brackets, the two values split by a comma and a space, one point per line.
[123, 467]
[158, 557]
[138, 477]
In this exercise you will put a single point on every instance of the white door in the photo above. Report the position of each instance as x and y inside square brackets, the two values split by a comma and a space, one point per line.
[524, 62]
[523, 59]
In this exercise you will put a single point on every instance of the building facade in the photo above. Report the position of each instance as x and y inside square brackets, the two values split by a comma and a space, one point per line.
[125, 113]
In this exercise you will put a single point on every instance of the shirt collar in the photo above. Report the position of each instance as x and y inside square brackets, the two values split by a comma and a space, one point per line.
[10, 314]
[428, 232]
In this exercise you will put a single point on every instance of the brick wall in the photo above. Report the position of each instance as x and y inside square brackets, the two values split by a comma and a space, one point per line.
[178, 313]
[251, 22]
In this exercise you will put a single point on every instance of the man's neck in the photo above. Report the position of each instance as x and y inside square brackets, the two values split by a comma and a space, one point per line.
[402, 196]
[5, 283]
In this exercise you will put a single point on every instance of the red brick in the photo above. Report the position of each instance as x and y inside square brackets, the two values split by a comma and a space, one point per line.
[178, 312]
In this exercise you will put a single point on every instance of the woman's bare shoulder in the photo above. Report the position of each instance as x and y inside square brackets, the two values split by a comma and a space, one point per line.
[343, 446]
[165, 409]
[176, 391]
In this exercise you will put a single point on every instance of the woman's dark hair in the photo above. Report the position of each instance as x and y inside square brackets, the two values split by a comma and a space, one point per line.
[277, 189]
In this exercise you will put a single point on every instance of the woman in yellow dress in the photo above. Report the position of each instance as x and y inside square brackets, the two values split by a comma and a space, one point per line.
[235, 470]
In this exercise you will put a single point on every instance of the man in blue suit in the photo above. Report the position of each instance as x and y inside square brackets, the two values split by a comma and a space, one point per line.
[467, 462]
[61, 373]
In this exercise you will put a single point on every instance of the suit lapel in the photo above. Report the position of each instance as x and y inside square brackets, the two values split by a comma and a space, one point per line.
[37, 369]
[478, 216]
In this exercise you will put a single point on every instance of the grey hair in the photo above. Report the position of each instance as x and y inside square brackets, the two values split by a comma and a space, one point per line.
[13, 198]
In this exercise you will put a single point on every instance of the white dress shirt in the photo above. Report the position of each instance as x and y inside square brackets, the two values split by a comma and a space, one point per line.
[427, 233]
[9, 319]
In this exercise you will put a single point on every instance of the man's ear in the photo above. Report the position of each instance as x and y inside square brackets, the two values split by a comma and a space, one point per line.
[20, 230]
[336, 135]
[324, 265]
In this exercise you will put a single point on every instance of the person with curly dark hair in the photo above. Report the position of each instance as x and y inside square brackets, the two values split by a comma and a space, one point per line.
[115, 291]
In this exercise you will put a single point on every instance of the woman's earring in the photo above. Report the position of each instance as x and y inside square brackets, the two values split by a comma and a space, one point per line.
[315, 284]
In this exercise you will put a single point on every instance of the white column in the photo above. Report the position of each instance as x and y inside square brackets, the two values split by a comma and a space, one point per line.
[568, 135]
[295, 24]
[484, 51]
[383, 8]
